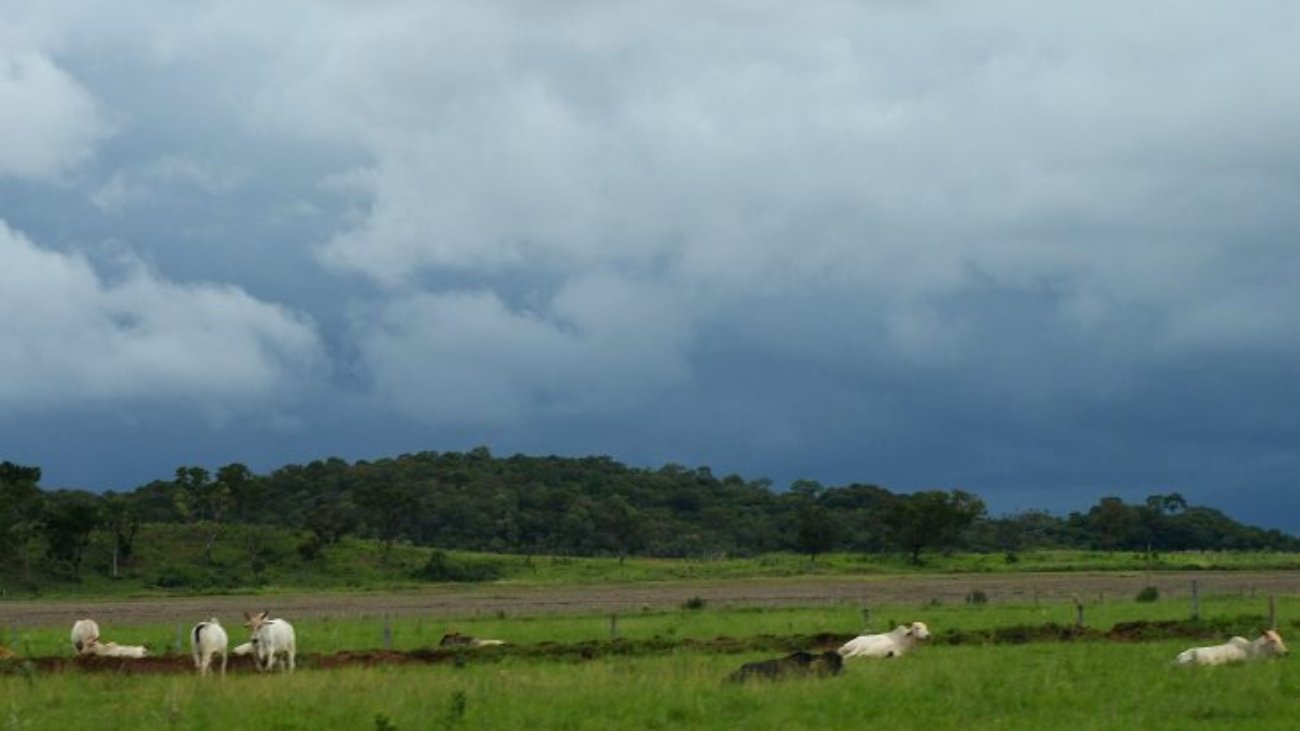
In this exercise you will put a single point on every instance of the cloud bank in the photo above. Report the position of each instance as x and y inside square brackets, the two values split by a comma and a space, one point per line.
[1037, 253]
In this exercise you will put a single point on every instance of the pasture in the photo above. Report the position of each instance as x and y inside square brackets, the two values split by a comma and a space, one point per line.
[670, 663]
[1032, 687]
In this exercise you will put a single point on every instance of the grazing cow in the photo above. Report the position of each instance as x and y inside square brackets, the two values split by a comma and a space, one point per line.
[897, 642]
[796, 664]
[83, 631]
[456, 639]
[112, 649]
[207, 639]
[1237, 649]
[271, 638]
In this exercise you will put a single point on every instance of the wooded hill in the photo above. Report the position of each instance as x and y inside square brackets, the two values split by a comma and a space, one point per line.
[588, 506]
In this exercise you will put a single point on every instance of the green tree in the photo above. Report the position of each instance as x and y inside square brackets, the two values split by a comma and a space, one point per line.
[122, 520]
[931, 518]
[619, 526]
[815, 530]
[70, 518]
[21, 510]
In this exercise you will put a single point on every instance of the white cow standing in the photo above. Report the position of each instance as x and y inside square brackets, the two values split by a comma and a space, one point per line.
[83, 631]
[271, 638]
[894, 643]
[207, 639]
[1237, 649]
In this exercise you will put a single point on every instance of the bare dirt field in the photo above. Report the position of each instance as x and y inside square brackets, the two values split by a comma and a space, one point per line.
[453, 601]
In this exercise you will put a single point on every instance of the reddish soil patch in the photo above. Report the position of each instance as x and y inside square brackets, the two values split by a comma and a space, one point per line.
[455, 601]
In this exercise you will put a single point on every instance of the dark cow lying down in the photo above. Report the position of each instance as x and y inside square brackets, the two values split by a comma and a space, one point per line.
[794, 665]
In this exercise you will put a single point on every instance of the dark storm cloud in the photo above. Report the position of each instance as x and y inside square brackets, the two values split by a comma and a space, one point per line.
[1042, 254]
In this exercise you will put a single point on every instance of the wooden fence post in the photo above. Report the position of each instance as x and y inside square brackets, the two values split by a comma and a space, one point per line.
[180, 642]
[1196, 602]
[613, 626]
[388, 633]
[1078, 612]
[866, 616]
[1272, 612]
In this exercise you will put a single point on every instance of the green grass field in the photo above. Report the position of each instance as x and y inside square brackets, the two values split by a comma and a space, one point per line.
[1032, 687]
[1094, 684]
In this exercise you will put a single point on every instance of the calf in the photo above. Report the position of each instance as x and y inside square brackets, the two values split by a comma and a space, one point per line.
[207, 639]
[112, 649]
[271, 638]
[456, 639]
[1237, 649]
[796, 664]
[899, 641]
[83, 631]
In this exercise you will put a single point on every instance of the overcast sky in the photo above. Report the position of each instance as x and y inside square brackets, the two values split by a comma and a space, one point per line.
[1043, 253]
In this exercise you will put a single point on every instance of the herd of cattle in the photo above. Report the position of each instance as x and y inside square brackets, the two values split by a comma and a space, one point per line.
[272, 639]
[903, 639]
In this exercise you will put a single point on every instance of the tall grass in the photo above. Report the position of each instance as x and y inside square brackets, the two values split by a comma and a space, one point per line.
[1034, 687]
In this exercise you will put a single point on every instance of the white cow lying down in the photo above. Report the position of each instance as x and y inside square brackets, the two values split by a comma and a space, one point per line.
[897, 642]
[1237, 649]
[112, 649]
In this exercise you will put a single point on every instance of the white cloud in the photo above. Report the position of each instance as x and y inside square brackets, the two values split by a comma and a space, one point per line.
[137, 186]
[601, 345]
[51, 122]
[76, 338]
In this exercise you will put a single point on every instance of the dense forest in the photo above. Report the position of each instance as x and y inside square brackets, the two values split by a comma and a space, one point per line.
[587, 506]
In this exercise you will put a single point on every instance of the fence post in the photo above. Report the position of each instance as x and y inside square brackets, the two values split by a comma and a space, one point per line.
[1078, 612]
[1196, 602]
[613, 626]
[180, 643]
[1272, 612]
[388, 633]
[866, 616]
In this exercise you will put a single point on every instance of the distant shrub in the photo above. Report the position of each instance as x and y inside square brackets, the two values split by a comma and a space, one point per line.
[442, 566]
[1148, 594]
[694, 602]
[977, 597]
[191, 577]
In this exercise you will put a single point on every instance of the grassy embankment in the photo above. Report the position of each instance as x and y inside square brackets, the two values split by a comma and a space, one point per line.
[169, 559]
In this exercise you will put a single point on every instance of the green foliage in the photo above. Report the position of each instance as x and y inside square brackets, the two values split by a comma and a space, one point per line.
[292, 525]
[1148, 594]
[442, 566]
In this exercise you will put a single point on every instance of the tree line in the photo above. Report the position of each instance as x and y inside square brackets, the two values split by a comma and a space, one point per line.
[585, 506]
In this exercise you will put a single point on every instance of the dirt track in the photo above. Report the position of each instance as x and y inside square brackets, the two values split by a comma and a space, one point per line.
[468, 601]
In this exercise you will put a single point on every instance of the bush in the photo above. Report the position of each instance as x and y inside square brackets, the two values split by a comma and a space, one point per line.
[191, 577]
[1148, 594]
[441, 566]
[694, 602]
[977, 597]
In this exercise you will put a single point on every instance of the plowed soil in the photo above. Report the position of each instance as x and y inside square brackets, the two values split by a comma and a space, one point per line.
[451, 601]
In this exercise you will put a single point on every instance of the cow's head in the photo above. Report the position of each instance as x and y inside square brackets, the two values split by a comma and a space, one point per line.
[918, 631]
[255, 620]
[1273, 643]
